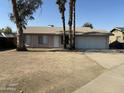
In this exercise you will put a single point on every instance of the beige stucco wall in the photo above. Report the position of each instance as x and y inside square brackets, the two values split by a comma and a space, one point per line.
[34, 41]
[117, 35]
[84, 42]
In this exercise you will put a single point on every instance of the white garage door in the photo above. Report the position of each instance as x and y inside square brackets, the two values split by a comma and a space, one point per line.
[91, 42]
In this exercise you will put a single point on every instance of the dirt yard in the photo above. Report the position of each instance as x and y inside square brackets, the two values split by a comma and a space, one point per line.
[45, 72]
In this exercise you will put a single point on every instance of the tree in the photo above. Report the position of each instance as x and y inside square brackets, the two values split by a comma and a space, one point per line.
[22, 12]
[71, 4]
[87, 24]
[61, 5]
[1, 30]
[7, 30]
[74, 26]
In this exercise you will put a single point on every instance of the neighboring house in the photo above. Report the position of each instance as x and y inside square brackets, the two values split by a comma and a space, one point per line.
[117, 35]
[116, 40]
[7, 40]
[51, 37]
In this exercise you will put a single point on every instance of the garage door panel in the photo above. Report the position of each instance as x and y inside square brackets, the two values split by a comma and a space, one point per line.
[91, 42]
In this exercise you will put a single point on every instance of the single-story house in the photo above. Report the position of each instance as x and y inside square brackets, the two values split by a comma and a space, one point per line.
[51, 37]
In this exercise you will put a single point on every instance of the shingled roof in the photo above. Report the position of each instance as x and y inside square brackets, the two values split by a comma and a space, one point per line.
[42, 30]
[1, 35]
[58, 30]
[7, 35]
[117, 29]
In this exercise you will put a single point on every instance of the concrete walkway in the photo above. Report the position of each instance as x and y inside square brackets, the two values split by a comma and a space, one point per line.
[112, 80]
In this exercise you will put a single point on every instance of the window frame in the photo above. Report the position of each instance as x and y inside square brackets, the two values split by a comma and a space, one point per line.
[43, 39]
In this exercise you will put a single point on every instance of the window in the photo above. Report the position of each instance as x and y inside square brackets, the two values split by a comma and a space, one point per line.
[43, 39]
[28, 39]
[40, 39]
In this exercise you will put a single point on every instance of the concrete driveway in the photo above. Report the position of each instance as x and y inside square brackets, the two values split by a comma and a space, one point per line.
[107, 60]
[112, 80]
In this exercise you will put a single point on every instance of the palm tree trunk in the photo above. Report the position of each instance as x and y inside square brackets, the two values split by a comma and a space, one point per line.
[70, 25]
[74, 26]
[20, 36]
[64, 29]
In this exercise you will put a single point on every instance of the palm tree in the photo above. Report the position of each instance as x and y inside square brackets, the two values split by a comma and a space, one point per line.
[20, 36]
[70, 24]
[74, 26]
[61, 4]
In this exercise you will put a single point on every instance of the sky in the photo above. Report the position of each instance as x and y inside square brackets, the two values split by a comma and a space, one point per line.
[103, 14]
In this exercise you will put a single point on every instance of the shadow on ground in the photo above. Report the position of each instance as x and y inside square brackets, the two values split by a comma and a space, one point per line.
[6, 49]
